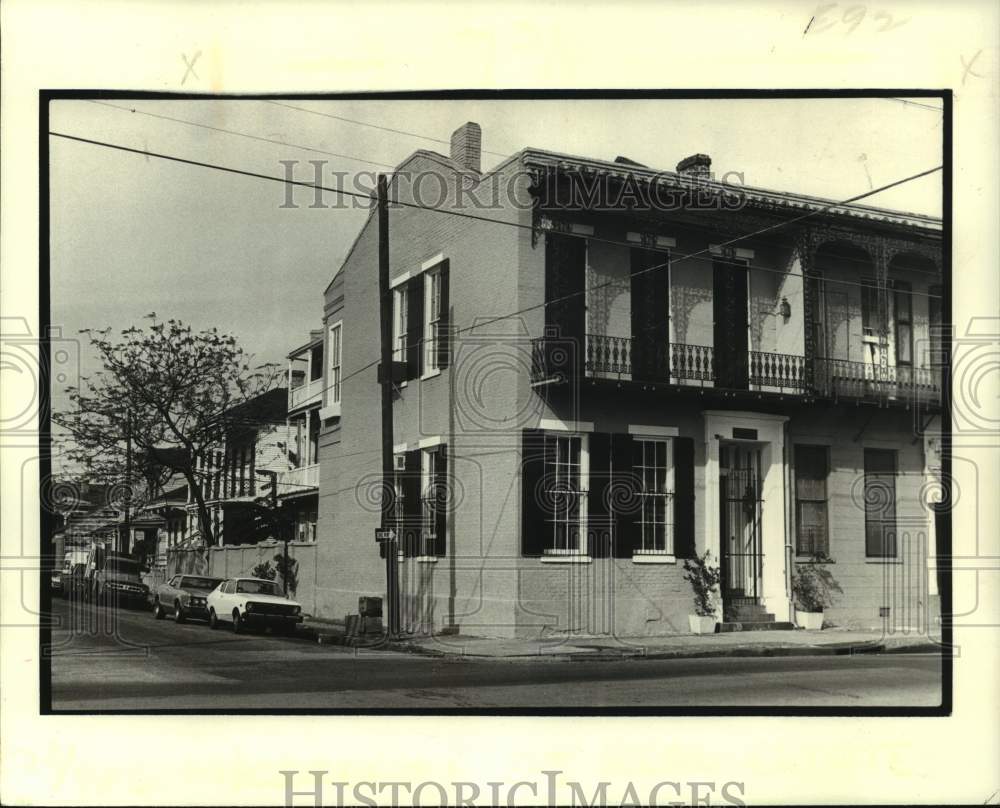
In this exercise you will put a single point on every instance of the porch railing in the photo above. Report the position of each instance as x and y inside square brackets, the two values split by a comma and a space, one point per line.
[556, 360]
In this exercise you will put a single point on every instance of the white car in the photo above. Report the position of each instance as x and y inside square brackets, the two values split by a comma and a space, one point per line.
[252, 601]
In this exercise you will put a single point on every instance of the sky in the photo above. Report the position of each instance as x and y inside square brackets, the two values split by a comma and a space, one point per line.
[131, 234]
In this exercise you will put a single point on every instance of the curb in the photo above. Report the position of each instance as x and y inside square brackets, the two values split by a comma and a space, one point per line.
[749, 651]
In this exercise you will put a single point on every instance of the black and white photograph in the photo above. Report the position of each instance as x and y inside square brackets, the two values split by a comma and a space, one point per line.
[398, 390]
[409, 404]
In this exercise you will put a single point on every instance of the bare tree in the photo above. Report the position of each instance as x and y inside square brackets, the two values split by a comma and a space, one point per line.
[172, 393]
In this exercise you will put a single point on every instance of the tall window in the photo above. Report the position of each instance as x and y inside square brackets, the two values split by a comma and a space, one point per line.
[872, 318]
[812, 532]
[904, 324]
[432, 318]
[335, 362]
[880, 503]
[430, 502]
[316, 362]
[400, 317]
[653, 464]
[565, 470]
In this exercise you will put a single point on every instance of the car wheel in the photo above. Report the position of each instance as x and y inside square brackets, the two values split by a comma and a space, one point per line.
[178, 612]
[213, 621]
[237, 622]
[157, 610]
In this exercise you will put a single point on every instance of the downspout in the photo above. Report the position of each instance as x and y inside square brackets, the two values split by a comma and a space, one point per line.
[789, 554]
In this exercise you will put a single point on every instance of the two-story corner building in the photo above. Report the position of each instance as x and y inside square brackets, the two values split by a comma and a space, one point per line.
[636, 368]
[254, 439]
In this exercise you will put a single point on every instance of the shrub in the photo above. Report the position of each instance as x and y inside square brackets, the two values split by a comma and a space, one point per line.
[263, 569]
[704, 577]
[813, 585]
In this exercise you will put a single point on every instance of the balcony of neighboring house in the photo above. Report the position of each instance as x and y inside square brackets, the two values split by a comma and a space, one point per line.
[305, 374]
[719, 327]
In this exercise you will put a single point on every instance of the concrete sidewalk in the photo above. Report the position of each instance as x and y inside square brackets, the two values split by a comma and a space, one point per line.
[683, 646]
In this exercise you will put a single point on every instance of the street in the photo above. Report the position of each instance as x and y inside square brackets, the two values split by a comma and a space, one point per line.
[137, 663]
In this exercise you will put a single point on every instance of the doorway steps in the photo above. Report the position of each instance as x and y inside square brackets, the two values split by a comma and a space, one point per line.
[752, 617]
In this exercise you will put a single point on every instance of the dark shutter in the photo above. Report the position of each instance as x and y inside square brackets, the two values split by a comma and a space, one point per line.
[626, 496]
[412, 506]
[444, 332]
[441, 500]
[415, 327]
[533, 511]
[650, 314]
[684, 499]
[600, 524]
[565, 301]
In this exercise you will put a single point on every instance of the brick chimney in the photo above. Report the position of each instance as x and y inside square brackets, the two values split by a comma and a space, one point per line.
[697, 166]
[467, 146]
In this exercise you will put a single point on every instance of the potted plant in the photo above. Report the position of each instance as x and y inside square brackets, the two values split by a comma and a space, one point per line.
[812, 588]
[704, 576]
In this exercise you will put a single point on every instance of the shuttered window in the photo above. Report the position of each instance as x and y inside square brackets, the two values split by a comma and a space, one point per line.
[880, 503]
[812, 535]
[653, 468]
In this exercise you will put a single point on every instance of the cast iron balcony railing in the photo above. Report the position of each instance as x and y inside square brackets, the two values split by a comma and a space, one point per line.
[786, 372]
[840, 378]
[623, 359]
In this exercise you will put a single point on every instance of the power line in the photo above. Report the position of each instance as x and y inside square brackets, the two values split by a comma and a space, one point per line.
[489, 321]
[519, 225]
[237, 133]
[376, 126]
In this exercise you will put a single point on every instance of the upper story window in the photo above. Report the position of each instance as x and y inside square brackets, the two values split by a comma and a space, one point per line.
[904, 323]
[432, 318]
[873, 321]
[336, 350]
[400, 318]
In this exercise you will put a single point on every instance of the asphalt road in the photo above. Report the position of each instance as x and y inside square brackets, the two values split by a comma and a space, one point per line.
[103, 660]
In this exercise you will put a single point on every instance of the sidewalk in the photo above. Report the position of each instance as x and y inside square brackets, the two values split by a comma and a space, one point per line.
[685, 646]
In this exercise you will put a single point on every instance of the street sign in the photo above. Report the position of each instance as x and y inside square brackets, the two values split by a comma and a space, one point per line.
[384, 534]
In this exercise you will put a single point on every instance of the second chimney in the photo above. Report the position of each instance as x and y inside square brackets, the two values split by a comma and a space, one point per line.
[467, 146]
[698, 166]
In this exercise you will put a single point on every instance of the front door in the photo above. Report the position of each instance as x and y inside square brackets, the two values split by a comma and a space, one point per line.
[741, 557]
[730, 332]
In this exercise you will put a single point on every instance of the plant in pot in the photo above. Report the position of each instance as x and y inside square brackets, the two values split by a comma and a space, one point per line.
[813, 586]
[704, 576]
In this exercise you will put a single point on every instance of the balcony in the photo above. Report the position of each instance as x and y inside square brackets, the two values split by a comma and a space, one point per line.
[306, 394]
[300, 481]
[626, 360]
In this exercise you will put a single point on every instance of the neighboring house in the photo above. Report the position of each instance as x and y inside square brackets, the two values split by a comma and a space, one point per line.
[255, 439]
[298, 487]
[670, 387]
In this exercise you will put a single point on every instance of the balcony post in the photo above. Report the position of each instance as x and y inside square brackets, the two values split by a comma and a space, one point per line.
[805, 249]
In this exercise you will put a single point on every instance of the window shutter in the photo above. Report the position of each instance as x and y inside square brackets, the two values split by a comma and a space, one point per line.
[600, 524]
[441, 500]
[444, 332]
[565, 280]
[625, 496]
[684, 498]
[409, 542]
[533, 511]
[415, 324]
[650, 314]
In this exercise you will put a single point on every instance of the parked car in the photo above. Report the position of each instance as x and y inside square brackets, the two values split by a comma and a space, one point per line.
[61, 576]
[117, 582]
[184, 596]
[252, 602]
[74, 583]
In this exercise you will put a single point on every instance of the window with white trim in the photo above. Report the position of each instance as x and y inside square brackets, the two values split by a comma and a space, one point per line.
[428, 502]
[432, 318]
[565, 479]
[400, 329]
[653, 465]
[336, 345]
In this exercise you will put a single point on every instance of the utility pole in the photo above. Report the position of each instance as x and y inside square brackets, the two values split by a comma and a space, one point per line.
[125, 540]
[388, 473]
